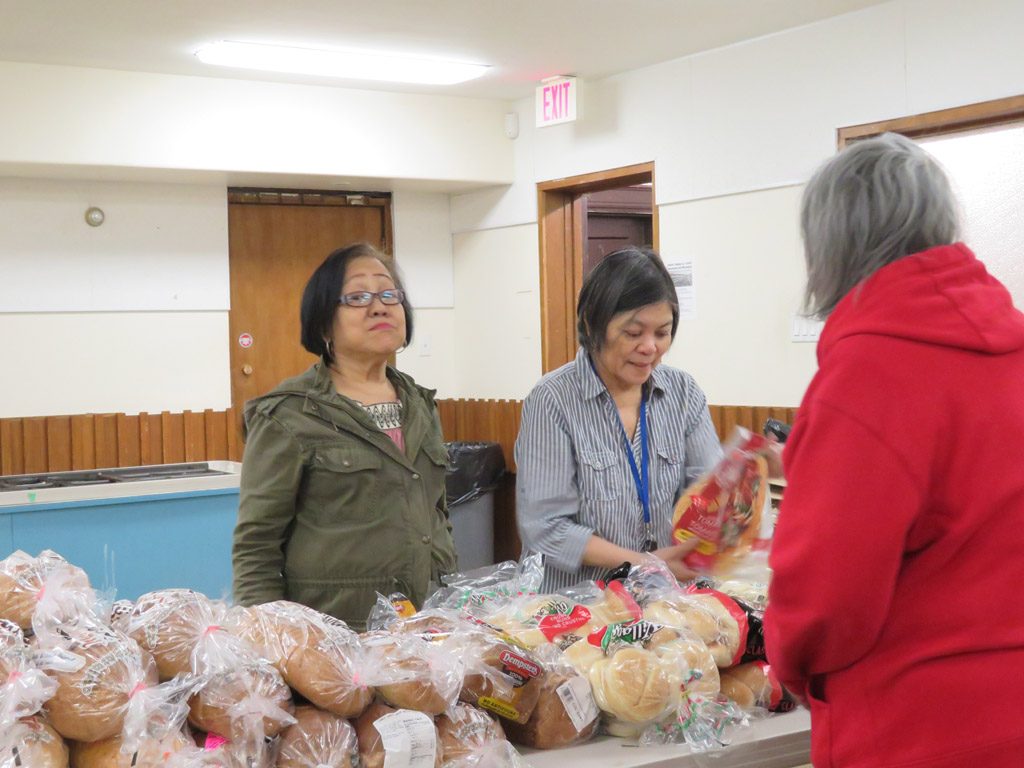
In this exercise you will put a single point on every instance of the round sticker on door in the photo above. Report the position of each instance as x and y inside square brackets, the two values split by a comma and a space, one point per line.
[245, 340]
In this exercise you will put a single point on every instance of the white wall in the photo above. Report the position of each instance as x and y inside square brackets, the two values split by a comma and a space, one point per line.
[733, 132]
[69, 116]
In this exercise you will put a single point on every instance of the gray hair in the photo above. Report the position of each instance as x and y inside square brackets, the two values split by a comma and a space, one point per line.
[876, 201]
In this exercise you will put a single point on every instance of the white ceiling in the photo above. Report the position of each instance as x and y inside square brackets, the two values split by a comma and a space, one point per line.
[522, 40]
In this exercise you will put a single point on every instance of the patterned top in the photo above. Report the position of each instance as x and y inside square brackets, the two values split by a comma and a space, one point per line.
[388, 418]
[574, 478]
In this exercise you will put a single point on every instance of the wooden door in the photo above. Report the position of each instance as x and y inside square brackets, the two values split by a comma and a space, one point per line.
[276, 241]
[614, 219]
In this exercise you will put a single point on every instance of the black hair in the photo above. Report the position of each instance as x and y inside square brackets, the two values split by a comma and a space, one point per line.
[626, 279]
[320, 298]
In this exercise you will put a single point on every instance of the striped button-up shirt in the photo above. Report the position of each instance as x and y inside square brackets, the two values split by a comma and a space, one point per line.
[574, 479]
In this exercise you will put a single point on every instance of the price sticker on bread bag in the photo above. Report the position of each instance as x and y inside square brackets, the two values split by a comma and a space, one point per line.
[409, 739]
[578, 700]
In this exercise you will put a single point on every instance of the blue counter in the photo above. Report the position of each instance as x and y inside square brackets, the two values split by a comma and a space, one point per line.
[149, 536]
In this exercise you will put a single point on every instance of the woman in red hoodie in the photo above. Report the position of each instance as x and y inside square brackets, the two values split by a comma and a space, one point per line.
[897, 605]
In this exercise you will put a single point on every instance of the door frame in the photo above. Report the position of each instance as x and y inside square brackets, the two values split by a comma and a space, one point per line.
[560, 218]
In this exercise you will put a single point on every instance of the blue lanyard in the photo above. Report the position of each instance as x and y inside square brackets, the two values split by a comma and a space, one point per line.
[641, 476]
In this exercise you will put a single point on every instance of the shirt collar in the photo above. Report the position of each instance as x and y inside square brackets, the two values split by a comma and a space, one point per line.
[592, 386]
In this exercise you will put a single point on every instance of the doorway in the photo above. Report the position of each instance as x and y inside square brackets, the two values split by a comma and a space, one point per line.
[581, 220]
[276, 239]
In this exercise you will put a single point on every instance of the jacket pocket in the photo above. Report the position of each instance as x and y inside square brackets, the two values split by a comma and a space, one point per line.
[342, 484]
[598, 475]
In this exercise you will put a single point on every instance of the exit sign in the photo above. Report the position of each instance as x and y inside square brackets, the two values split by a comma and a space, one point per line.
[556, 101]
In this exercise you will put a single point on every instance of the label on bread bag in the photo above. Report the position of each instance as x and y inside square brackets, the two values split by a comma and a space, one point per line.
[558, 617]
[499, 707]
[629, 632]
[409, 739]
[578, 700]
[520, 669]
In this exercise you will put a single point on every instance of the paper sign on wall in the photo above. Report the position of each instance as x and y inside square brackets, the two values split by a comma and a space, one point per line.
[681, 271]
[556, 101]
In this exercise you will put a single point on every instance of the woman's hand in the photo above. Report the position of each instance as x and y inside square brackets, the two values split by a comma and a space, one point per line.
[673, 557]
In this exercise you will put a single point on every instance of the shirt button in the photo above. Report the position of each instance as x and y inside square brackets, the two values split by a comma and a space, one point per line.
[346, 463]
[426, 539]
[415, 476]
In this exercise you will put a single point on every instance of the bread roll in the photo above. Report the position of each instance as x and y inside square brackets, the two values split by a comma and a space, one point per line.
[35, 744]
[634, 685]
[169, 624]
[90, 703]
[582, 654]
[406, 727]
[503, 680]
[465, 731]
[706, 617]
[235, 700]
[318, 740]
[22, 578]
[107, 753]
[566, 714]
[325, 668]
[689, 658]
[754, 685]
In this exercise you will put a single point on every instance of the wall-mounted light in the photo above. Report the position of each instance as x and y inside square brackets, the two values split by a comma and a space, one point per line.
[328, 62]
[94, 216]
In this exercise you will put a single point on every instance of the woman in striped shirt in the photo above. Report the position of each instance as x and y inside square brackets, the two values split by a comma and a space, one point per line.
[609, 441]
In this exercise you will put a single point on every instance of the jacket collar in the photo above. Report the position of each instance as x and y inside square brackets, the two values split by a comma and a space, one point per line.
[592, 386]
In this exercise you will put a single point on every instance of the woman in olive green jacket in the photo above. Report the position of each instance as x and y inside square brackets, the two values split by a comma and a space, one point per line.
[342, 491]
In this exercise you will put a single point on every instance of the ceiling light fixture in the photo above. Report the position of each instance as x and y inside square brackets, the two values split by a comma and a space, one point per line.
[351, 65]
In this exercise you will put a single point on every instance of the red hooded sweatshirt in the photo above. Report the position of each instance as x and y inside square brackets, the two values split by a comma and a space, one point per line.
[897, 603]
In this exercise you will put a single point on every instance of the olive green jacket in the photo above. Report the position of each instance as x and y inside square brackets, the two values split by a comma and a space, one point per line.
[331, 511]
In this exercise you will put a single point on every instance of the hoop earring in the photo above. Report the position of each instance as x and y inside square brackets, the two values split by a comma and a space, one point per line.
[330, 351]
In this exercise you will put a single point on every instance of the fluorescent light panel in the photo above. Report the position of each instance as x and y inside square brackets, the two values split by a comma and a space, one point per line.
[351, 65]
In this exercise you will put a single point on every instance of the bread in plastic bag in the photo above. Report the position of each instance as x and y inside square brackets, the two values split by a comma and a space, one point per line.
[32, 743]
[754, 685]
[318, 655]
[410, 672]
[392, 735]
[169, 623]
[565, 714]
[318, 739]
[24, 579]
[472, 738]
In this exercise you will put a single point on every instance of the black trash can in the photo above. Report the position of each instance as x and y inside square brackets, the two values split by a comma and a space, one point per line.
[474, 471]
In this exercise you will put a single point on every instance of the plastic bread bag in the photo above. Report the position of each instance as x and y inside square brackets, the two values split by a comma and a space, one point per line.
[566, 712]
[318, 739]
[388, 610]
[471, 738]
[316, 654]
[32, 743]
[120, 613]
[92, 699]
[241, 692]
[169, 623]
[154, 729]
[475, 592]
[706, 724]
[499, 676]
[25, 685]
[728, 508]
[389, 736]
[411, 672]
[24, 581]
[248, 749]
[754, 686]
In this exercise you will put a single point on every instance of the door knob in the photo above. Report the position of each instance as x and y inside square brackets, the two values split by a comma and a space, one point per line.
[247, 369]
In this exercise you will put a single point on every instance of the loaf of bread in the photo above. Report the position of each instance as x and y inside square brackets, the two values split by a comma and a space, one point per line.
[91, 702]
[466, 731]
[23, 579]
[108, 752]
[413, 673]
[706, 617]
[33, 743]
[500, 678]
[318, 739]
[169, 624]
[404, 730]
[566, 714]
[237, 700]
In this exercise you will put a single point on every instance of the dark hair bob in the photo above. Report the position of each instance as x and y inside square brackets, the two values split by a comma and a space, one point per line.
[626, 279]
[320, 298]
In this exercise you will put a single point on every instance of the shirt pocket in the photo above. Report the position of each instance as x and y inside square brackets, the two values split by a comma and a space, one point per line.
[599, 475]
[343, 483]
[669, 473]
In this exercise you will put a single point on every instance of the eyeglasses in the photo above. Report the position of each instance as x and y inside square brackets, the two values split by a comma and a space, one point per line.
[390, 297]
